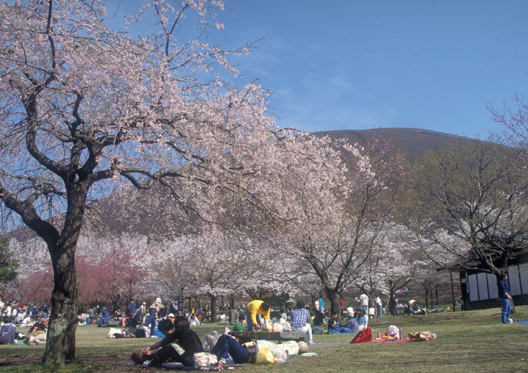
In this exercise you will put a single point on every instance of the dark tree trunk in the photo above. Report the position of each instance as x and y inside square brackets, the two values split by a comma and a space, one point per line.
[60, 341]
[333, 296]
[213, 307]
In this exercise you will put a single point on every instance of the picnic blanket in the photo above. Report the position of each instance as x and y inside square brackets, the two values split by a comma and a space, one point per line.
[181, 366]
[413, 337]
[521, 322]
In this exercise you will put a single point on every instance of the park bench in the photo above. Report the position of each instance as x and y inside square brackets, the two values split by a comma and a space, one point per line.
[247, 336]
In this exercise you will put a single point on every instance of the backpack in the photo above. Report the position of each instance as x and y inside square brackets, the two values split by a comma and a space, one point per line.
[363, 336]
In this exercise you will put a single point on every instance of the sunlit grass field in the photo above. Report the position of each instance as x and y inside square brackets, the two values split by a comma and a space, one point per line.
[469, 341]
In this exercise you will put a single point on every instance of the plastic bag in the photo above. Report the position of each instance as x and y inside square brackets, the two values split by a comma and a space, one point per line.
[204, 359]
[265, 356]
[292, 347]
[114, 331]
[277, 327]
[266, 326]
[277, 350]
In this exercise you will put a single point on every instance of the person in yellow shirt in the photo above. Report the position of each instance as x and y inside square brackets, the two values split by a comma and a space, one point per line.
[254, 310]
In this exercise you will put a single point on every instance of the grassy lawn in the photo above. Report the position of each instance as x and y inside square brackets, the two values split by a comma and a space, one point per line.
[469, 341]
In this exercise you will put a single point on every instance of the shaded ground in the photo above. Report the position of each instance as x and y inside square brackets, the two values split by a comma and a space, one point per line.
[116, 363]
[111, 363]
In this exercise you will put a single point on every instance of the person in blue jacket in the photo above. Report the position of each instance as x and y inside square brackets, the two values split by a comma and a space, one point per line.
[104, 317]
[505, 299]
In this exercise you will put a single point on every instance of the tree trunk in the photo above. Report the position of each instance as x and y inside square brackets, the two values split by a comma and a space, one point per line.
[333, 296]
[60, 341]
[213, 308]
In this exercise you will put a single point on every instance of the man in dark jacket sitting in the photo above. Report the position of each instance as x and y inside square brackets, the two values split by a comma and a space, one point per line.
[180, 343]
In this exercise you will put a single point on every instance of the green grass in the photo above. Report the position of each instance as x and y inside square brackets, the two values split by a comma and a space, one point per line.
[469, 341]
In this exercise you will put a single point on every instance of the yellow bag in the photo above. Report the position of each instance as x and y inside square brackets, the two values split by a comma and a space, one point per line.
[265, 356]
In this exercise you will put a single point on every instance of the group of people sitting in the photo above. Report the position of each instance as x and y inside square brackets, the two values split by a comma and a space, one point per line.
[14, 312]
[180, 343]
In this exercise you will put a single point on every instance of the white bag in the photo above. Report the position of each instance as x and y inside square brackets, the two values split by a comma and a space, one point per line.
[266, 326]
[292, 347]
[204, 359]
[277, 327]
[113, 331]
[277, 350]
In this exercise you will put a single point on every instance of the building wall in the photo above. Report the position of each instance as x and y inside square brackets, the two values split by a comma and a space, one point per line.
[479, 290]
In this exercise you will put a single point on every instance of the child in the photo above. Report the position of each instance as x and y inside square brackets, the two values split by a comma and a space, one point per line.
[240, 325]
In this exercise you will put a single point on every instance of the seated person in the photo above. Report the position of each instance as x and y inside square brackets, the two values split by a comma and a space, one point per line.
[300, 318]
[392, 333]
[332, 321]
[353, 325]
[319, 317]
[193, 320]
[239, 353]
[240, 325]
[105, 317]
[183, 351]
[362, 319]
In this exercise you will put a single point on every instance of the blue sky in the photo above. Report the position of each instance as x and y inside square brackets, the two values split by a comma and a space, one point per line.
[348, 64]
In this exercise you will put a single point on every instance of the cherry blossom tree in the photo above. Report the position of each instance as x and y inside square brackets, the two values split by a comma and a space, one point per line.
[335, 223]
[393, 263]
[84, 107]
[469, 206]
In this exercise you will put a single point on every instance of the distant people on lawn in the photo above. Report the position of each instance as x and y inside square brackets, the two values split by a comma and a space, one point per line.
[256, 311]
[105, 317]
[364, 299]
[379, 306]
[362, 319]
[131, 309]
[505, 299]
[353, 324]
[151, 318]
[319, 317]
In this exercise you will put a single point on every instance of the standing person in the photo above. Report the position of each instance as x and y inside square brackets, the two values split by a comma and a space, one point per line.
[364, 299]
[300, 321]
[131, 309]
[321, 305]
[151, 319]
[254, 310]
[505, 299]
[340, 306]
[143, 309]
[379, 306]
